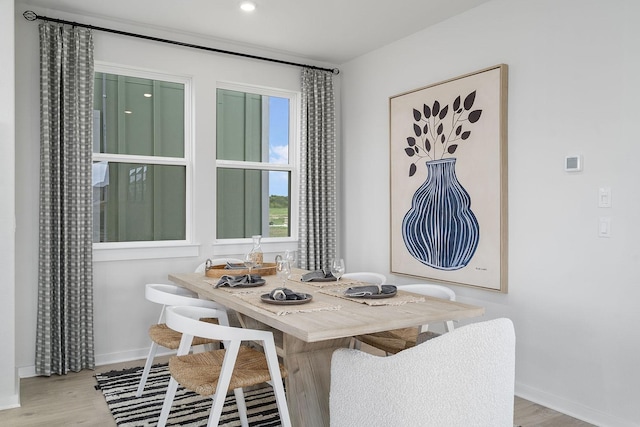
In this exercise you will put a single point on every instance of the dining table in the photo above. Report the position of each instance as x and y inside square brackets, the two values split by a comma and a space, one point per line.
[308, 332]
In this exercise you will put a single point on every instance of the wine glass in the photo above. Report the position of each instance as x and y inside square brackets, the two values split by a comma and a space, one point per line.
[337, 268]
[290, 255]
[283, 270]
[250, 261]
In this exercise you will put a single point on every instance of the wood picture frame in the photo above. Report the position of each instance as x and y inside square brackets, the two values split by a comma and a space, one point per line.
[448, 178]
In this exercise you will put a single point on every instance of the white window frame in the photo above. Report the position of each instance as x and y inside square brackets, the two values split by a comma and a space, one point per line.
[269, 244]
[114, 251]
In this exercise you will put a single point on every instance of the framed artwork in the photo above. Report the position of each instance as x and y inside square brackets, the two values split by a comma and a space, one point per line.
[448, 153]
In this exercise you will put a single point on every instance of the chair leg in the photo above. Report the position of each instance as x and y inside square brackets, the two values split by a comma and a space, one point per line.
[242, 407]
[449, 325]
[281, 401]
[168, 401]
[224, 380]
[354, 343]
[276, 380]
[216, 409]
[147, 367]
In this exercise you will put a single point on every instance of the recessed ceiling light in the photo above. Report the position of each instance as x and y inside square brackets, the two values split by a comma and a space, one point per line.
[248, 6]
[147, 95]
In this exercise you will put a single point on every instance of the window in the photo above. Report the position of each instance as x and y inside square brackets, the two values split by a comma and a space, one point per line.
[140, 157]
[256, 163]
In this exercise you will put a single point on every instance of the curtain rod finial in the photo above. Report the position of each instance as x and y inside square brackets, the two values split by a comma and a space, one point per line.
[336, 71]
[30, 15]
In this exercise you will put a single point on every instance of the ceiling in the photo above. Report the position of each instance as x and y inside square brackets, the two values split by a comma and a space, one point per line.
[326, 31]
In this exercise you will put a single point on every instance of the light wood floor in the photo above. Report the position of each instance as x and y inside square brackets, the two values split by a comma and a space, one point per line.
[72, 400]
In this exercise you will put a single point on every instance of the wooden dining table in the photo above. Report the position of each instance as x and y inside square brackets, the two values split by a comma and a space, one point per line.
[307, 334]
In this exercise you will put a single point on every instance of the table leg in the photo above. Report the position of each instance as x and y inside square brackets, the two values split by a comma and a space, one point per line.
[308, 374]
[309, 378]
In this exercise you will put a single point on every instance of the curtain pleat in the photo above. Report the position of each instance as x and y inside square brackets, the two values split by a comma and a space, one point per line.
[317, 239]
[64, 336]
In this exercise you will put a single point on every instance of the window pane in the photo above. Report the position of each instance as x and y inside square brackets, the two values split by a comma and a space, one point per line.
[136, 202]
[252, 127]
[138, 116]
[279, 205]
[253, 202]
[278, 130]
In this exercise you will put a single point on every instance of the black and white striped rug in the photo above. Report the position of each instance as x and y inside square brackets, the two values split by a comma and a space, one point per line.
[189, 409]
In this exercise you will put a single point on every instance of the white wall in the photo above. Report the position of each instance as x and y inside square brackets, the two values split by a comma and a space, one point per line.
[121, 314]
[573, 89]
[9, 390]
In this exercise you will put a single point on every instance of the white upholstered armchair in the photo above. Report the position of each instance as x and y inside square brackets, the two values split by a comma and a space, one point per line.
[463, 378]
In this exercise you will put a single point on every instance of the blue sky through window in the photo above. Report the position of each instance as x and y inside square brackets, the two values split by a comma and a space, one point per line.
[278, 144]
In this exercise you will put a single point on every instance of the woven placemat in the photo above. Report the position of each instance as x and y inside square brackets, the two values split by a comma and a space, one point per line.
[253, 298]
[399, 299]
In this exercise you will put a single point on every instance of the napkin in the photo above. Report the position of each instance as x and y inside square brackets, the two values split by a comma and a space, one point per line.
[232, 281]
[363, 291]
[318, 274]
[282, 294]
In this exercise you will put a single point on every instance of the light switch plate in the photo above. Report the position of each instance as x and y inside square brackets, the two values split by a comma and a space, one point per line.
[604, 197]
[604, 227]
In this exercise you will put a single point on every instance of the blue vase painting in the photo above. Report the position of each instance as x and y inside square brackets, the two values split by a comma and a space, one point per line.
[440, 230]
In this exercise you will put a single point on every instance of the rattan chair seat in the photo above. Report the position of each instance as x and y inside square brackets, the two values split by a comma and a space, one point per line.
[395, 341]
[168, 338]
[199, 372]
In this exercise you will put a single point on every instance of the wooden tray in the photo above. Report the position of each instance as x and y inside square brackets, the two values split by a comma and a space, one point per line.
[267, 269]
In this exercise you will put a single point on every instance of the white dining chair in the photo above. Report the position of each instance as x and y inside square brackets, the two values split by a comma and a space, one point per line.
[215, 373]
[218, 261]
[431, 290]
[367, 277]
[463, 378]
[160, 333]
[396, 340]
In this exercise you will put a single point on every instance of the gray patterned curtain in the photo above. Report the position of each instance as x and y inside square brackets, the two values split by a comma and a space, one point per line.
[317, 240]
[64, 339]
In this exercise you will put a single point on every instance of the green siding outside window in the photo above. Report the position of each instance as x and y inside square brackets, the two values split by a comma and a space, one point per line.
[137, 121]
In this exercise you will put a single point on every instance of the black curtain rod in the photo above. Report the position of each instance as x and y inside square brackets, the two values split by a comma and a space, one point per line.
[32, 16]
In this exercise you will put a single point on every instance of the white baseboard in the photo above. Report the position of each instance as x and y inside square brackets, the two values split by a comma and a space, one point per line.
[12, 400]
[571, 408]
[105, 359]
[127, 356]
[27, 371]
[9, 402]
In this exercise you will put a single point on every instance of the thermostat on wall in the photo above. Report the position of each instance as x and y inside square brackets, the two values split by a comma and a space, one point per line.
[573, 163]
